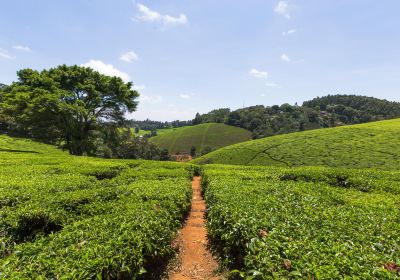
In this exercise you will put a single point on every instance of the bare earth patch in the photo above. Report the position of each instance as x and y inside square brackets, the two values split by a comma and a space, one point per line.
[195, 260]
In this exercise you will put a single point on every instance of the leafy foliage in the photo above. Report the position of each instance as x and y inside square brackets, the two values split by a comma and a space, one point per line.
[358, 146]
[329, 111]
[85, 218]
[309, 223]
[155, 125]
[65, 105]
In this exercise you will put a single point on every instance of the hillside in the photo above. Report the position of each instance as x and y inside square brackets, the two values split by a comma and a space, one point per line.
[10, 145]
[320, 112]
[375, 145]
[205, 136]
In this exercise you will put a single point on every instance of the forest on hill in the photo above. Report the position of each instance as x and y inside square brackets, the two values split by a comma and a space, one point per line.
[320, 112]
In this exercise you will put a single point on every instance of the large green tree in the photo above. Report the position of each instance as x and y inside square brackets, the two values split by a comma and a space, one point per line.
[66, 104]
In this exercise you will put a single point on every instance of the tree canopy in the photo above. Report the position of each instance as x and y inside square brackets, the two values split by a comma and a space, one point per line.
[66, 104]
[328, 111]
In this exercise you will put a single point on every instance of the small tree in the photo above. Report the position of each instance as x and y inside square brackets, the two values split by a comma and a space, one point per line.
[193, 151]
[197, 120]
[164, 155]
[137, 129]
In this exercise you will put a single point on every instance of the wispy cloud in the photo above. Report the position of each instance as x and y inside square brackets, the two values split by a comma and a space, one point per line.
[129, 57]
[289, 32]
[282, 8]
[184, 96]
[106, 69]
[285, 58]
[149, 15]
[258, 74]
[22, 48]
[5, 54]
[152, 99]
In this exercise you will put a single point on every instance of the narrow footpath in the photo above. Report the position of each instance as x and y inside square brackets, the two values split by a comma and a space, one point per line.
[195, 260]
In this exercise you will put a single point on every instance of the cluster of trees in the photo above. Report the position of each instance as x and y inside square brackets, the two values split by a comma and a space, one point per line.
[76, 108]
[154, 125]
[352, 109]
[328, 111]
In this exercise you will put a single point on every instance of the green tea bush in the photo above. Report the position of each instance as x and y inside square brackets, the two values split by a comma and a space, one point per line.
[304, 223]
[64, 217]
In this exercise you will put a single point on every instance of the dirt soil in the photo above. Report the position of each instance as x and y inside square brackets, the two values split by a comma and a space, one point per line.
[195, 260]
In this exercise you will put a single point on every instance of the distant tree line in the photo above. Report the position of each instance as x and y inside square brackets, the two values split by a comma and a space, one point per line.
[154, 125]
[76, 108]
[321, 112]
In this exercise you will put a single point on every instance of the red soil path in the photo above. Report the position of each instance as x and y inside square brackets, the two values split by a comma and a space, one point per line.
[196, 262]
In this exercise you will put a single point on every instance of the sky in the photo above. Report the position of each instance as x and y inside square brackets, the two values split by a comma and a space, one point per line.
[188, 56]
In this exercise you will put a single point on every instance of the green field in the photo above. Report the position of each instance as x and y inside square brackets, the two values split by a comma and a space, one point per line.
[68, 217]
[304, 223]
[372, 145]
[212, 135]
[86, 218]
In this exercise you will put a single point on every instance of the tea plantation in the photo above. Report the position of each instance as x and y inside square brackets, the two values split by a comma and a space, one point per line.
[371, 145]
[210, 136]
[308, 223]
[66, 217]
[84, 218]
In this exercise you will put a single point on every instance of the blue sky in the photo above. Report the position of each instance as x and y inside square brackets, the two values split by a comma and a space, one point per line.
[188, 56]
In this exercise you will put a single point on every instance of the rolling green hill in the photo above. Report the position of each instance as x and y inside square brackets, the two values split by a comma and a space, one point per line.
[212, 135]
[372, 145]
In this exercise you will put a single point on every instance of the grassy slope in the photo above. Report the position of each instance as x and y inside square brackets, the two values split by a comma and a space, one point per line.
[374, 145]
[213, 135]
[27, 146]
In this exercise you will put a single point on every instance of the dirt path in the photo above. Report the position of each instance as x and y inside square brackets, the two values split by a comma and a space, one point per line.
[196, 262]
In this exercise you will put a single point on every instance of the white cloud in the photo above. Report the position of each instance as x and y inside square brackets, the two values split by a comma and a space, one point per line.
[4, 54]
[152, 99]
[262, 94]
[283, 9]
[258, 74]
[22, 48]
[271, 85]
[289, 32]
[106, 69]
[285, 57]
[146, 14]
[182, 19]
[129, 57]
[184, 96]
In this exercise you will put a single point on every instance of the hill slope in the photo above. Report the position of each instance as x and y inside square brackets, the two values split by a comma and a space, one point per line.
[374, 145]
[213, 135]
[13, 145]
